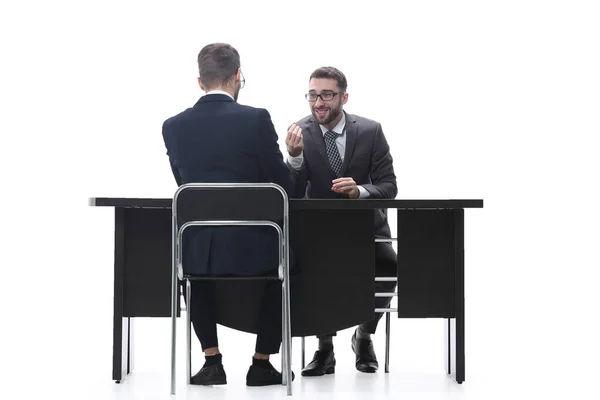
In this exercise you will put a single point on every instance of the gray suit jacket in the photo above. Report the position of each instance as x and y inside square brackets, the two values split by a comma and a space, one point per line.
[367, 160]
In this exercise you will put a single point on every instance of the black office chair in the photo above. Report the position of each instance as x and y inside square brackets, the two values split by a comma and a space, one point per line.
[387, 312]
[230, 204]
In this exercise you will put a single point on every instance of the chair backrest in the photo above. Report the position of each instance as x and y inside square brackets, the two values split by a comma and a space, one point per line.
[230, 201]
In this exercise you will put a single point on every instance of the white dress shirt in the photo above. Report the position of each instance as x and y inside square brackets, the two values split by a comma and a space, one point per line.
[219, 92]
[340, 141]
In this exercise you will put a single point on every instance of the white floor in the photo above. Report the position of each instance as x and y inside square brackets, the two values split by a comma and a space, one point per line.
[416, 370]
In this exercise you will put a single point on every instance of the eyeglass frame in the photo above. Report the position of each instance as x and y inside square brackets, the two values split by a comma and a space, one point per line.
[242, 80]
[317, 96]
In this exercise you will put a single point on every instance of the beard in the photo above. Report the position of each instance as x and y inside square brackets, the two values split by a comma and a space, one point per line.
[237, 91]
[330, 116]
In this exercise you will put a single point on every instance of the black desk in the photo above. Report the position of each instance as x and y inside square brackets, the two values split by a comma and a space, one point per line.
[430, 268]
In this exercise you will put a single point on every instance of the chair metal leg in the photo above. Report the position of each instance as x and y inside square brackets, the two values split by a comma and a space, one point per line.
[283, 336]
[303, 353]
[188, 330]
[288, 326]
[387, 342]
[174, 299]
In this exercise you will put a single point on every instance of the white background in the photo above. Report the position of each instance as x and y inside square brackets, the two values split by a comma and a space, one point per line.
[495, 100]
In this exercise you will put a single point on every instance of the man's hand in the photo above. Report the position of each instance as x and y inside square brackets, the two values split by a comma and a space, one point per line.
[293, 141]
[346, 186]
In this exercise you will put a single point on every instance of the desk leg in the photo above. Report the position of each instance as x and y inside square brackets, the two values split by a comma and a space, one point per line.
[122, 326]
[130, 348]
[122, 348]
[455, 327]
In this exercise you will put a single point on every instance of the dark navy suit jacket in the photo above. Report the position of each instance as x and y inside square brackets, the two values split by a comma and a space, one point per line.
[219, 140]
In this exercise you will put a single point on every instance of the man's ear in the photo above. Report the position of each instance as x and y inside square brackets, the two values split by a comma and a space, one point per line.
[344, 98]
[201, 85]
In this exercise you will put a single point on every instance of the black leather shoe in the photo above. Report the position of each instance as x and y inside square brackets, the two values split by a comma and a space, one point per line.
[322, 363]
[210, 375]
[264, 376]
[366, 361]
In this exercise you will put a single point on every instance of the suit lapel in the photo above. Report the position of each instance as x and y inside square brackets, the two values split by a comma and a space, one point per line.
[351, 132]
[317, 137]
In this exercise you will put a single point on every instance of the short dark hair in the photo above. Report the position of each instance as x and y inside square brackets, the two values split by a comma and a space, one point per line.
[331, 73]
[217, 64]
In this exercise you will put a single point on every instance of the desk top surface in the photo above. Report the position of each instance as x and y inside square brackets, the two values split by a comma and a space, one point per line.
[308, 204]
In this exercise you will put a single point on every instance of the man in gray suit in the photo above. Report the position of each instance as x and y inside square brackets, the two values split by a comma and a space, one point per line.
[339, 155]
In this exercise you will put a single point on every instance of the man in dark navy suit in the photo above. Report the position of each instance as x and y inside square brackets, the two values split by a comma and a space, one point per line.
[219, 140]
[339, 155]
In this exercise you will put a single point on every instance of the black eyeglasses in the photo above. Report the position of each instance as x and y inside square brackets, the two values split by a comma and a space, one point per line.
[326, 96]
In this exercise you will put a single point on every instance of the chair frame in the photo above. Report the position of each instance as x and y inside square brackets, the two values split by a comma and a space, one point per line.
[177, 273]
[387, 312]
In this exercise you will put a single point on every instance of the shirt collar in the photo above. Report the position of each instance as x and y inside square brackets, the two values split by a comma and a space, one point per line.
[339, 128]
[219, 92]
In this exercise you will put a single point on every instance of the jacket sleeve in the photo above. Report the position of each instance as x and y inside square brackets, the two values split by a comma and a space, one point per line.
[273, 167]
[165, 133]
[382, 169]
[301, 177]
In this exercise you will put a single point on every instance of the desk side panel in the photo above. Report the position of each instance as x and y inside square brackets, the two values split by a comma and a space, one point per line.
[147, 277]
[426, 271]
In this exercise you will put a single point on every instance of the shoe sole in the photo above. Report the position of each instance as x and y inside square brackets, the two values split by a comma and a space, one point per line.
[212, 383]
[262, 384]
[328, 371]
[367, 371]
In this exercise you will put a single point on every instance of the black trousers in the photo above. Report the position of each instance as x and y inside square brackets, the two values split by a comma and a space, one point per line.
[386, 265]
[204, 316]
